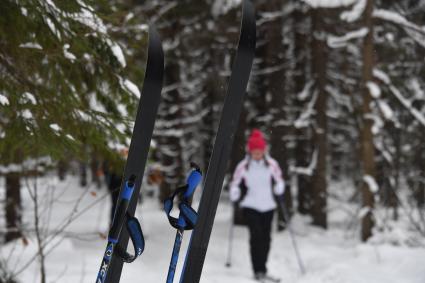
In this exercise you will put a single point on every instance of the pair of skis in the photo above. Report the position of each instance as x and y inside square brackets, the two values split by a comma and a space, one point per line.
[112, 263]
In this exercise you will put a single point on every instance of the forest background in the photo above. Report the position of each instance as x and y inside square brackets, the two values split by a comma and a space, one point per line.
[337, 87]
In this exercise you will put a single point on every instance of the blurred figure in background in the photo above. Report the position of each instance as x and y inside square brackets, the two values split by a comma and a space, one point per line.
[256, 182]
[112, 171]
[153, 181]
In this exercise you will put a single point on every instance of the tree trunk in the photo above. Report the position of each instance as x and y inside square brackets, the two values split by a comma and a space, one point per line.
[13, 207]
[239, 144]
[62, 168]
[83, 173]
[170, 145]
[397, 169]
[419, 194]
[94, 168]
[418, 180]
[39, 234]
[319, 183]
[302, 152]
[274, 93]
[367, 147]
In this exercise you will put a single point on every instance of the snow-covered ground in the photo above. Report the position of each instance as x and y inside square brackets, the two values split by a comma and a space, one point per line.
[333, 256]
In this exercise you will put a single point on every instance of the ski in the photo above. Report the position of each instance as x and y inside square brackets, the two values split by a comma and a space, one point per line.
[112, 263]
[241, 70]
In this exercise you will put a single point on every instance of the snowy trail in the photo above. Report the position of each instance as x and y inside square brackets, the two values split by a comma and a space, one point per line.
[329, 257]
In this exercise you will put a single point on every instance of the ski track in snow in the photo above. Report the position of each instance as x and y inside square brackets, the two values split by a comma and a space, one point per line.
[329, 257]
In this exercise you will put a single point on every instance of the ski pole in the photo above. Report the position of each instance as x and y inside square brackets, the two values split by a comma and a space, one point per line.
[230, 241]
[116, 227]
[291, 234]
[186, 212]
[175, 255]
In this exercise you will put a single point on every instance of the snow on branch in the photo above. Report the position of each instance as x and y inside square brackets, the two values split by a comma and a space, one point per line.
[88, 18]
[117, 52]
[95, 104]
[417, 36]
[396, 92]
[304, 119]
[131, 87]
[398, 19]
[176, 133]
[306, 170]
[305, 93]
[31, 45]
[329, 3]
[378, 124]
[85, 16]
[341, 41]
[415, 86]
[365, 210]
[28, 97]
[38, 163]
[171, 87]
[355, 13]
[221, 7]
[269, 17]
[68, 55]
[381, 75]
[69, 136]
[386, 110]
[55, 127]
[371, 183]
[379, 145]
[374, 89]
[395, 18]
[4, 100]
[269, 70]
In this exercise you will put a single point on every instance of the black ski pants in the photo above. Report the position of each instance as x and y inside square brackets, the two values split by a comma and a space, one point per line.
[259, 224]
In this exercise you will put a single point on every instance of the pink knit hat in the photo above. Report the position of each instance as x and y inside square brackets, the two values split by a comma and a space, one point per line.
[256, 141]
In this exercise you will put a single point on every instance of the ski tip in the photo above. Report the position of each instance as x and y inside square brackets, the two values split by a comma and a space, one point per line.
[248, 27]
[155, 62]
[155, 41]
[153, 33]
[248, 8]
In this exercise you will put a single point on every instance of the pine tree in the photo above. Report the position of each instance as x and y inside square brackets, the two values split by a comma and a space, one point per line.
[61, 89]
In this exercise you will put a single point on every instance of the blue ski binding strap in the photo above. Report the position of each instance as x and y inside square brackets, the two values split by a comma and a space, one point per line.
[119, 217]
[188, 216]
[136, 236]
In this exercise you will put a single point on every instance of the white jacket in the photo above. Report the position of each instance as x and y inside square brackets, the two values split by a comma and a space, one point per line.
[258, 176]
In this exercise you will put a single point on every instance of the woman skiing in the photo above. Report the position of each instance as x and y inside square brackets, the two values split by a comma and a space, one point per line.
[257, 181]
